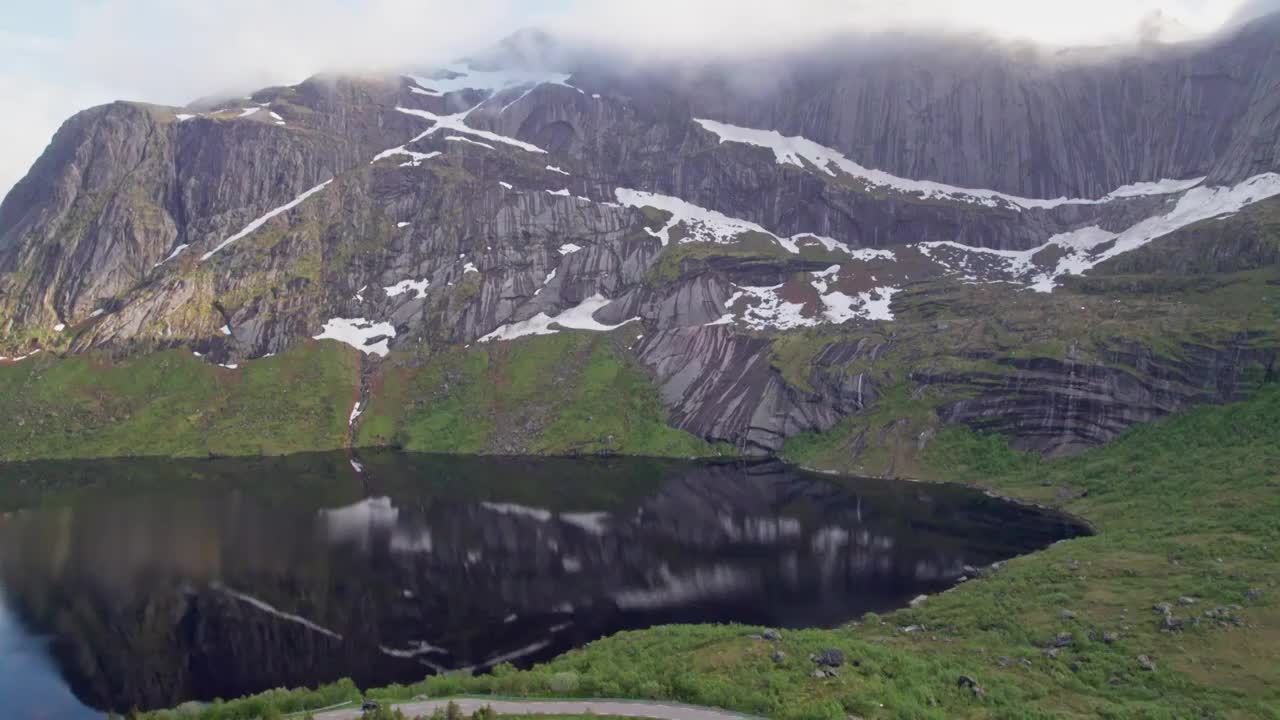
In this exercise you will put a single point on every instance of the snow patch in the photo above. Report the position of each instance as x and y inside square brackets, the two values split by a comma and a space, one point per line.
[457, 123]
[595, 523]
[506, 185]
[569, 248]
[415, 158]
[20, 358]
[580, 317]
[1080, 246]
[417, 287]
[247, 112]
[461, 76]
[798, 151]
[403, 224]
[59, 327]
[225, 330]
[251, 227]
[459, 138]
[704, 225]
[183, 117]
[561, 193]
[176, 252]
[555, 169]
[539, 514]
[360, 334]
[469, 268]
[356, 412]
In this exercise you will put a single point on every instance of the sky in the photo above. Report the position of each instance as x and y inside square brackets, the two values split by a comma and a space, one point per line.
[61, 56]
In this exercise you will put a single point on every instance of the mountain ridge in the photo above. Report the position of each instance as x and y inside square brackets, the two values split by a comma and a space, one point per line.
[410, 216]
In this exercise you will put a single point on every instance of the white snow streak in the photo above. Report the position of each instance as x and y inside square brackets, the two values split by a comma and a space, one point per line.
[456, 123]
[271, 610]
[798, 150]
[176, 252]
[459, 138]
[415, 158]
[580, 317]
[461, 76]
[20, 358]
[539, 514]
[1195, 205]
[595, 523]
[569, 248]
[251, 227]
[704, 225]
[555, 169]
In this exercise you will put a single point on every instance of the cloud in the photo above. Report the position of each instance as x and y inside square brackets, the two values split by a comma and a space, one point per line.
[747, 26]
[174, 51]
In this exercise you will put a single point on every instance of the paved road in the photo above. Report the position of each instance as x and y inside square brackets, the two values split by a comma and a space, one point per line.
[615, 708]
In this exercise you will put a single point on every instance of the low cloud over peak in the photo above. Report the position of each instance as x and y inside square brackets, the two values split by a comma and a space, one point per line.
[82, 53]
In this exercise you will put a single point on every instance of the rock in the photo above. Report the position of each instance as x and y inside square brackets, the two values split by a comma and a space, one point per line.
[1253, 595]
[912, 628]
[778, 657]
[1147, 663]
[1073, 565]
[1004, 661]
[1051, 653]
[1186, 601]
[1110, 638]
[1172, 624]
[970, 570]
[1163, 608]
[1067, 615]
[830, 658]
[965, 681]
[1025, 662]
[1062, 640]
[918, 600]
[998, 565]
[772, 635]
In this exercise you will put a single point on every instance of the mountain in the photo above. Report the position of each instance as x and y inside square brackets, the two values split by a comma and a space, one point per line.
[833, 254]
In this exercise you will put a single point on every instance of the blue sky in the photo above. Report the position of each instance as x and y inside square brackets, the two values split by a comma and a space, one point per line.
[60, 56]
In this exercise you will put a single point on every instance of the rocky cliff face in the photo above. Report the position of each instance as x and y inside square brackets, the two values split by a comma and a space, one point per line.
[715, 221]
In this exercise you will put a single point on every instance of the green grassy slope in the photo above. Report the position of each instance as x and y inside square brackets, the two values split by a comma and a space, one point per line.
[1186, 507]
[559, 394]
[172, 403]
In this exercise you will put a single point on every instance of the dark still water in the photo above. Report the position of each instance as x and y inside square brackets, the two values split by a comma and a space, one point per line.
[148, 583]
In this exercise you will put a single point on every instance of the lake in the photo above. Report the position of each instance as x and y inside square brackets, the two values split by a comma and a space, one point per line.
[149, 582]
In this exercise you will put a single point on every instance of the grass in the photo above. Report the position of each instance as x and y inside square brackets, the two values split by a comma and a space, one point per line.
[1186, 507]
[174, 404]
[564, 394]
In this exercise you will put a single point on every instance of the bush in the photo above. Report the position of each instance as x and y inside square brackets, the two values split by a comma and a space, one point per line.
[564, 683]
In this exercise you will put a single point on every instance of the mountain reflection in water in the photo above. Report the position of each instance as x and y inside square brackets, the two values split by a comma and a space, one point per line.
[166, 581]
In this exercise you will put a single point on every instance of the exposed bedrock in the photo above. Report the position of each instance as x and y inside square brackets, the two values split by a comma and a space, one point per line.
[1059, 406]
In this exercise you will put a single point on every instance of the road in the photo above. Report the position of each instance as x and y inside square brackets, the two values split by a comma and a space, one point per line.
[614, 708]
